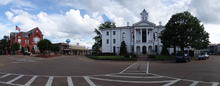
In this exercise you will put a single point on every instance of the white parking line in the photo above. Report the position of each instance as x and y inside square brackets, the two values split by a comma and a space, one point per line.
[115, 80]
[5, 75]
[30, 81]
[214, 84]
[89, 81]
[16, 78]
[172, 82]
[148, 63]
[133, 76]
[69, 81]
[194, 83]
[127, 68]
[49, 82]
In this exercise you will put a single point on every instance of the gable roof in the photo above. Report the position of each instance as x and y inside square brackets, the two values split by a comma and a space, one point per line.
[144, 23]
[24, 34]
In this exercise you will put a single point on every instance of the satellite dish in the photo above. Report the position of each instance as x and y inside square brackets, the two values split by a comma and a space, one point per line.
[68, 41]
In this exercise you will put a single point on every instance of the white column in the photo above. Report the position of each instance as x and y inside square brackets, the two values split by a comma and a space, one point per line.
[135, 32]
[141, 50]
[135, 36]
[147, 35]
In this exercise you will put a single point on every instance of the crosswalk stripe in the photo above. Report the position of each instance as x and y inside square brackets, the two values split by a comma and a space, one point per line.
[89, 81]
[128, 67]
[172, 82]
[49, 82]
[69, 81]
[214, 84]
[194, 83]
[16, 78]
[5, 76]
[30, 81]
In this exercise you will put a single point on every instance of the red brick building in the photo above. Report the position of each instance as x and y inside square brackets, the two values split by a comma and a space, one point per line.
[27, 40]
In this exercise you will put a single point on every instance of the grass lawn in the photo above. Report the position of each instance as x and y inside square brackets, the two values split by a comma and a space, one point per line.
[111, 58]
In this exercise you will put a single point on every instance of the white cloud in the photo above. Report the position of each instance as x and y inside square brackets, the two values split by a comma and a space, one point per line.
[71, 24]
[214, 33]
[5, 2]
[58, 27]
[123, 11]
[207, 10]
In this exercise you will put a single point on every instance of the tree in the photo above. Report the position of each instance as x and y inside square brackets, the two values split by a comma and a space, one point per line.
[164, 51]
[123, 48]
[184, 30]
[98, 38]
[4, 45]
[15, 47]
[44, 45]
[55, 48]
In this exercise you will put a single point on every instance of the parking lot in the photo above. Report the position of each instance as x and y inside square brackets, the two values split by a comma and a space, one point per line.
[82, 71]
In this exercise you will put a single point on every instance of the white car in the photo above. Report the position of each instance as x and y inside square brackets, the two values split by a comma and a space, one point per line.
[203, 56]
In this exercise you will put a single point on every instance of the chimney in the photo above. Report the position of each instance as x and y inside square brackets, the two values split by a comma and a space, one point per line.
[127, 23]
[160, 23]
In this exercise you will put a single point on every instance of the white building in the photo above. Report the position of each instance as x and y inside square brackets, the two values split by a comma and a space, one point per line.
[140, 38]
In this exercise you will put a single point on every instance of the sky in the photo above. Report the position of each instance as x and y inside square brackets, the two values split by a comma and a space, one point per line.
[76, 19]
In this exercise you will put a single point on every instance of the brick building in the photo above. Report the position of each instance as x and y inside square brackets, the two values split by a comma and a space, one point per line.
[27, 40]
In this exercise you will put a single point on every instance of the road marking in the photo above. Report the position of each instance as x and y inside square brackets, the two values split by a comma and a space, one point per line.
[133, 76]
[127, 68]
[30, 81]
[89, 81]
[69, 81]
[172, 82]
[50, 80]
[5, 75]
[148, 63]
[215, 84]
[16, 78]
[115, 80]
[194, 83]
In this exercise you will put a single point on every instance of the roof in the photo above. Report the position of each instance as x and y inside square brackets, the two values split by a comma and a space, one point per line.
[123, 27]
[144, 23]
[24, 34]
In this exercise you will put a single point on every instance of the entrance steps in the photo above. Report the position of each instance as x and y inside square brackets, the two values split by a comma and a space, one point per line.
[142, 57]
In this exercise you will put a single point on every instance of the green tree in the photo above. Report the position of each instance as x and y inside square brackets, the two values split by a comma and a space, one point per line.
[55, 48]
[4, 45]
[164, 51]
[123, 48]
[98, 38]
[184, 30]
[15, 47]
[44, 46]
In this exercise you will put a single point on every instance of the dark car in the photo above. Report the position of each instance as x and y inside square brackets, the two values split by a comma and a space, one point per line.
[27, 53]
[183, 57]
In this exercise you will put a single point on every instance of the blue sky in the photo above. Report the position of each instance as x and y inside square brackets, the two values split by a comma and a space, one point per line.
[76, 19]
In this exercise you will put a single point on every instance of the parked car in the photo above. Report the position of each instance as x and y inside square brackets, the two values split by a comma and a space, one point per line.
[203, 56]
[183, 57]
[27, 53]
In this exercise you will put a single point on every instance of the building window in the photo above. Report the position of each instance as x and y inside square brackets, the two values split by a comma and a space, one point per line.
[144, 35]
[19, 40]
[123, 35]
[107, 41]
[114, 41]
[26, 41]
[36, 39]
[114, 32]
[107, 33]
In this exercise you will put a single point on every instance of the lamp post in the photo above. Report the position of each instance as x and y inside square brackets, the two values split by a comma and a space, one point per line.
[68, 41]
